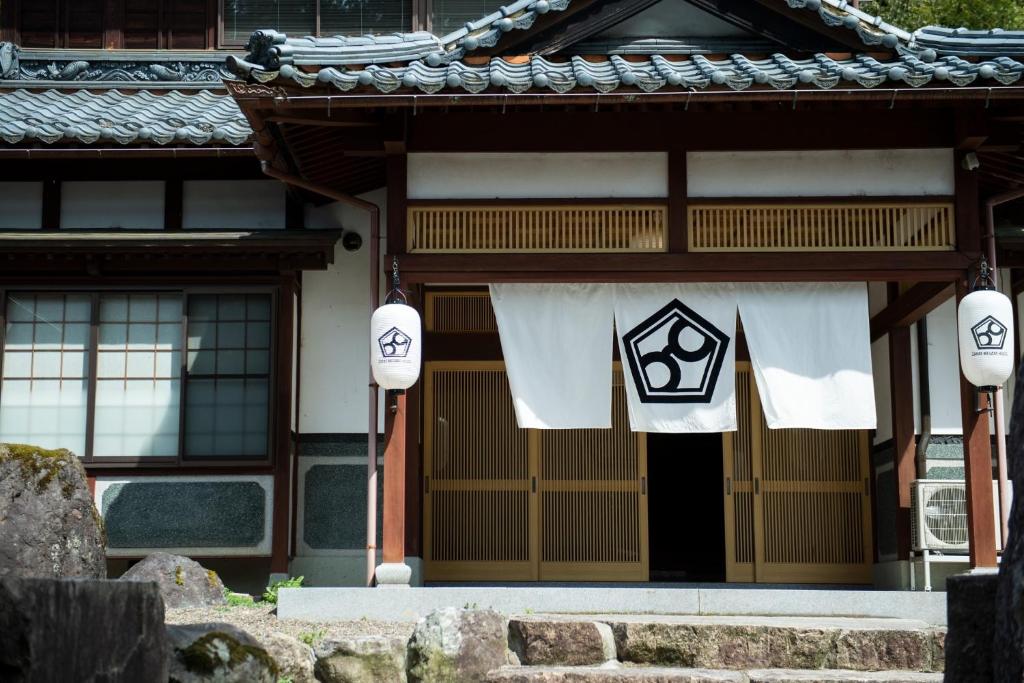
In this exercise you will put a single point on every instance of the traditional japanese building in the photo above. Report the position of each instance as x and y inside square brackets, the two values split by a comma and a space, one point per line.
[190, 266]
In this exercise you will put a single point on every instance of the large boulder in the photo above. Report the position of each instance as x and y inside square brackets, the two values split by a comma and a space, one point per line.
[295, 659]
[369, 659]
[49, 526]
[81, 630]
[543, 641]
[970, 610]
[183, 582]
[217, 653]
[457, 645]
[1008, 647]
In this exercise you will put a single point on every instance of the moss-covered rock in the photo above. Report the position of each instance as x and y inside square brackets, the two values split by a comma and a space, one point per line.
[370, 659]
[183, 582]
[453, 645]
[49, 526]
[202, 653]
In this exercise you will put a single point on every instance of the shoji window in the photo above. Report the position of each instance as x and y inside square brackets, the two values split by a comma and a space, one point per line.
[313, 17]
[103, 374]
[138, 375]
[43, 397]
[228, 375]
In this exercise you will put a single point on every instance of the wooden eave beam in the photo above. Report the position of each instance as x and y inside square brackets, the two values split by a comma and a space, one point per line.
[914, 304]
[942, 267]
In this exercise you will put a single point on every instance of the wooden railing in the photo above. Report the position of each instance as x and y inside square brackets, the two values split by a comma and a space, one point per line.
[852, 226]
[534, 227]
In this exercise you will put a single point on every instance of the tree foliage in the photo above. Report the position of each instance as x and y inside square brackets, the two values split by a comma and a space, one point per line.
[974, 14]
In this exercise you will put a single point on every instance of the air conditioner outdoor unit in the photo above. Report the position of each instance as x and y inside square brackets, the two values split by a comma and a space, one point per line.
[939, 520]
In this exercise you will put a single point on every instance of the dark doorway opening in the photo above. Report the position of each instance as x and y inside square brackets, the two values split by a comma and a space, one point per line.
[686, 507]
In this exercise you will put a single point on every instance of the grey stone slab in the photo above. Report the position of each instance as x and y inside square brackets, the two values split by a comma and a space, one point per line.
[928, 607]
[583, 674]
[193, 514]
[841, 676]
[328, 604]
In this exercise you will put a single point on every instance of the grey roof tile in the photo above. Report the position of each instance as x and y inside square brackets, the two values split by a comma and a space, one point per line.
[737, 72]
[197, 118]
[964, 42]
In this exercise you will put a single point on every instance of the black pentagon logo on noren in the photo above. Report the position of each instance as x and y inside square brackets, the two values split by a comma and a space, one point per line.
[989, 333]
[675, 356]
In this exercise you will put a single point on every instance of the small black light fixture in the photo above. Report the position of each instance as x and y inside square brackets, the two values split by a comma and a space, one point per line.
[352, 241]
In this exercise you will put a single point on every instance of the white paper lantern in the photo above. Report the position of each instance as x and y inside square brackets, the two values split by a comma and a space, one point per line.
[985, 327]
[395, 346]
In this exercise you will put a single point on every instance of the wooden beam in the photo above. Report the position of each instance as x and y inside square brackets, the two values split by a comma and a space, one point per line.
[917, 302]
[394, 478]
[51, 204]
[677, 198]
[943, 266]
[981, 529]
[413, 452]
[901, 377]
[397, 174]
[971, 129]
[174, 203]
[968, 231]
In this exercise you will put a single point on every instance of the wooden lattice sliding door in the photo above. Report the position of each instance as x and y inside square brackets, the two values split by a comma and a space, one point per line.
[479, 513]
[593, 500]
[739, 486]
[510, 504]
[809, 515]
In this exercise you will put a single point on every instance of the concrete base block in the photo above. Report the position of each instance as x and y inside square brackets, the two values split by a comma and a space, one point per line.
[393, 575]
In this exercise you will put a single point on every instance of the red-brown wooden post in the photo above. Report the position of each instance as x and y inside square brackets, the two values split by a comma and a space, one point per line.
[981, 528]
[903, 440]
[394, 571]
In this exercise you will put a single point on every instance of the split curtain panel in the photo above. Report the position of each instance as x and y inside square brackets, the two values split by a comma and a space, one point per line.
[809, 344]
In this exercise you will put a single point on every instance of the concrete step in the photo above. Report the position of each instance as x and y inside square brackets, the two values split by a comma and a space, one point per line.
[738, 643]
[604, 674]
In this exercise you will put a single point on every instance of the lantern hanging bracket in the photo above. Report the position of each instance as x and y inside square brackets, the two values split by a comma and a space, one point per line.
[977, 400]
[395, 294]
[984, 278]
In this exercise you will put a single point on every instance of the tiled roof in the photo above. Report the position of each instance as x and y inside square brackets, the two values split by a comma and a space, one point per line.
[964, 42]
[697, 72]
[179, 117]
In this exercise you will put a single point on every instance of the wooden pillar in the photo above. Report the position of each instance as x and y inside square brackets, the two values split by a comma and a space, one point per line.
[903, 440]
[394, 479]
[282, 441]
[981, 528]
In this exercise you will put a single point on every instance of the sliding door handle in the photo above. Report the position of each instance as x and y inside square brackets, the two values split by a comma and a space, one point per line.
[533, 484]
[426, 485]
[643, 486]
[757, 486]
[728, 486]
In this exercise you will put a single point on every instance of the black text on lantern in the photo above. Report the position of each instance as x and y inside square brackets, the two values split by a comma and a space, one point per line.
[675, 356]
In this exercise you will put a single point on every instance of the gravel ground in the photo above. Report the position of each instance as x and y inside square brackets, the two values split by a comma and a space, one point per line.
[260, 619]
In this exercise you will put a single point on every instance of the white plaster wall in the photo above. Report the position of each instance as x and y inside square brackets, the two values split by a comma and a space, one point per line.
[820, 173]
[21, 206]
[131, 205]
[943, 371]
[336, 328]
[233, 205]
[537, 175]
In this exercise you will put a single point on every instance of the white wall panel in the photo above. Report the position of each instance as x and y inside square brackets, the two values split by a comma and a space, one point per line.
[497, 175]
[233, 205]
[820, 173]
[943, 371]
[21, 206]
[336, 328]
[130, 205]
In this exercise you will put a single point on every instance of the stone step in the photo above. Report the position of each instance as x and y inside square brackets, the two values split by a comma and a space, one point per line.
[604, 674]
[740, 643]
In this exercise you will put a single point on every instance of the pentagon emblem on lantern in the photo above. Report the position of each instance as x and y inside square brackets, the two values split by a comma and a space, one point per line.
[675, 356]
[989, 334]
[394, 343]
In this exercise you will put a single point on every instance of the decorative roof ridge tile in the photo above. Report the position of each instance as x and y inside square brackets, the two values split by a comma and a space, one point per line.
[23, 67]
[964, 41]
